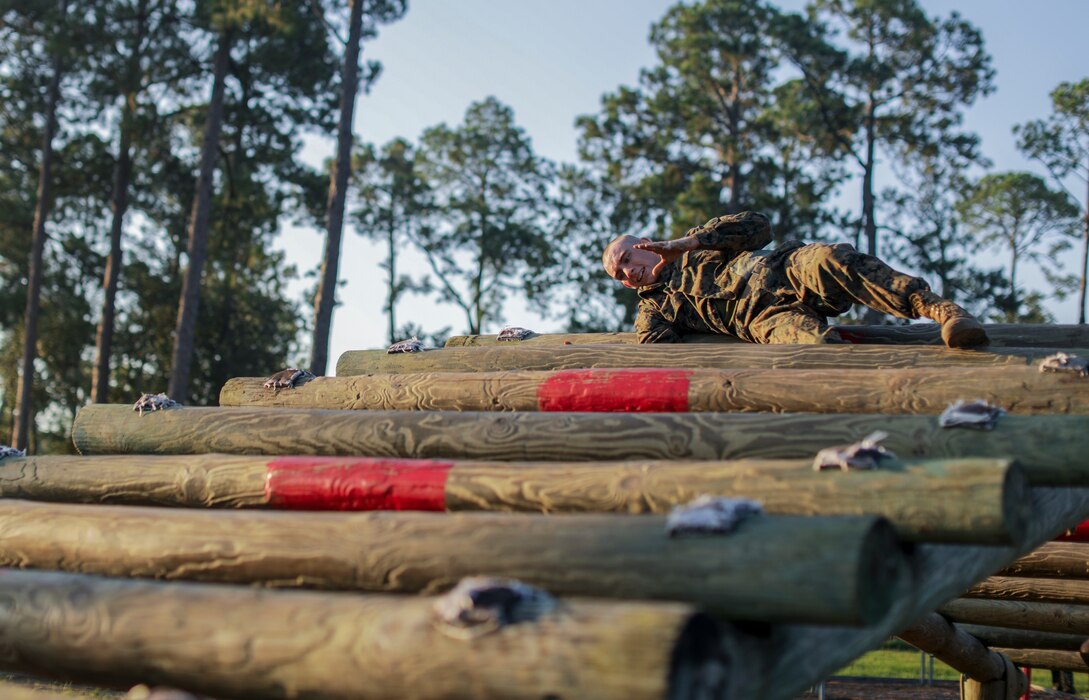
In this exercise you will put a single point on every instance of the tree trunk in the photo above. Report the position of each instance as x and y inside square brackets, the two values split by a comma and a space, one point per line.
[1084, 254]
[392, 240]
[24, 408]
[100, 382]
[185, 330]
[338, 186]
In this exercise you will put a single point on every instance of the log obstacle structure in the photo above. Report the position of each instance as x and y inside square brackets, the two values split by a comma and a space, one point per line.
[1000, 334]
[708, 356]
[741, 576]
[1018, 390]
[278, 644]
[1051, 449]
[786, 570]
[965, 500]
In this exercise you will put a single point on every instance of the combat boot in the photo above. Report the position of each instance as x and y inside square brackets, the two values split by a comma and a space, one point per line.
[959, 328]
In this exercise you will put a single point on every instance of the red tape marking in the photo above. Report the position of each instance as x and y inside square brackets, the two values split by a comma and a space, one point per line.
[1078, 533]
[615, 390]
[336, 483]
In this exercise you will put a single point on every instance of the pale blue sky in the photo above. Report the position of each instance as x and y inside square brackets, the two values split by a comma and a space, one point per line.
[552, 61]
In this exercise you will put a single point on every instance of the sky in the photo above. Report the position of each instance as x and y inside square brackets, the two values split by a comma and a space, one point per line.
[552, 61]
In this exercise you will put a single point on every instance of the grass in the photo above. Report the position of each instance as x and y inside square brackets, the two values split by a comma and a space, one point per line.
[895, 659]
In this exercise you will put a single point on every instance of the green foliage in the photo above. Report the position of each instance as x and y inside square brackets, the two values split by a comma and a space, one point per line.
[711, 129]
[491, 189]
[393, 204]
[888, 77]
[1018, 213]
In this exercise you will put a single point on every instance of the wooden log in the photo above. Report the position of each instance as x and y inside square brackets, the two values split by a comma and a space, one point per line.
[1044, 658]
[710, 356]
[1052, 560]
[14, 691]
[782, 663]
[1023, 639]
[1037, 590]
[937, 636]
[1019, 390]
[969, 500]
[765, 570]
[1050, 448]
[234, 641]
[1023, 335]
[1042, 617]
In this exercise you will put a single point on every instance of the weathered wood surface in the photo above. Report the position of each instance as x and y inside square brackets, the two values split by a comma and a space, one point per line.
[1052, 449]
[937, 636]
[1042, 617]
[1024, 639]
[968, 500]
[233, 641]
[1049, 659]
[1052, 560]
[727, 356]
[13, 691]
[762, 571]
[1001, 334]
[1040, 590]
[781, 664]
[1019, 390]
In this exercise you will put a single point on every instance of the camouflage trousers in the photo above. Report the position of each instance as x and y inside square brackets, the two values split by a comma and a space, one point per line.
[794, 296]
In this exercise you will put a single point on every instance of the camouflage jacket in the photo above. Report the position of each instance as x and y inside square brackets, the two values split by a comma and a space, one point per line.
[707, 290]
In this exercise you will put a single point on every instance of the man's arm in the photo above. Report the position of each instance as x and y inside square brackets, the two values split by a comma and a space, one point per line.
[652, 327]
[733, 233]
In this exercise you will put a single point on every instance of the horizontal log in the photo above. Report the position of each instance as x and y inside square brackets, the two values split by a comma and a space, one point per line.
[1042, 617]
[765, 570]
[937, 636]
[967, 500]
[1019, 390]
[1052, 560]
[1038, 590]
[233, 641]
[710, 356]
[1050, 448]
[1023, 639]
[15, 691]
[1049, 659]
[1025, 335]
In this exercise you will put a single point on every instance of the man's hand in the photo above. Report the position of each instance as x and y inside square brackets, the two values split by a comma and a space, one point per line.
[668, 251]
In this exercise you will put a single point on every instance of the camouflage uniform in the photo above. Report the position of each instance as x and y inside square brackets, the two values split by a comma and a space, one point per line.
[763, 296]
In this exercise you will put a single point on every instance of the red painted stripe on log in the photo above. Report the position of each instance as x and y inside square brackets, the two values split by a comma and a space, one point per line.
[848, 336]
[336, 483]
[1078, 533]
[615, 390]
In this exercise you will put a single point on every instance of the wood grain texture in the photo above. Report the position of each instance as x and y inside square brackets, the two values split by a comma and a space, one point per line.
[1001, 334]
[1023, 639]
[1042, 617]
[762, 571]
[966, 500]
[1053, 560]
[198, 481]
[711, 356]
[1052, 449]
[1019, 390]
[235, 642]
[1039, 590]
[980, 501]
[937, 636]
[13, 691]
[1048, 659]
[780, 662]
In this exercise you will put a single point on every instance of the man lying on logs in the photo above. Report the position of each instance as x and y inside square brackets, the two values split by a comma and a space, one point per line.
[717, 279]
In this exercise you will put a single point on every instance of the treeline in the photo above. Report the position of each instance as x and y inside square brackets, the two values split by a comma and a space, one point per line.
[150, 152]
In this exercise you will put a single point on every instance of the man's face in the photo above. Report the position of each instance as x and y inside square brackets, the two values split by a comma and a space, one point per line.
[632, 267]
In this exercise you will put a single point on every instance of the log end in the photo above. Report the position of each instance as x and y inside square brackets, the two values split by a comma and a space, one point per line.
[699, 666]
[884, 572]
